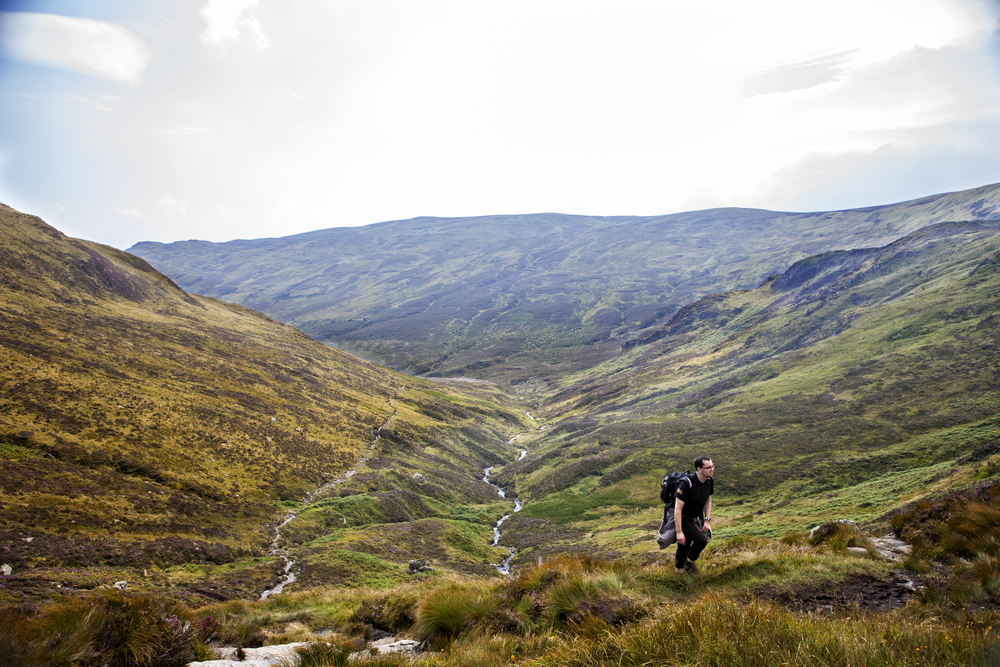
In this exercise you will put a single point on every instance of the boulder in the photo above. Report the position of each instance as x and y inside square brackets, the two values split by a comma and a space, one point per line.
[6, 570]
[418, 566]
[820, 533]
[267, 656]
[418, 478]
[890, 548]
[121, 585]
[393, 645]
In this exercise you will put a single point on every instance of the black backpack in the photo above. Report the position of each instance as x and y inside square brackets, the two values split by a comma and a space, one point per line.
[668, 487]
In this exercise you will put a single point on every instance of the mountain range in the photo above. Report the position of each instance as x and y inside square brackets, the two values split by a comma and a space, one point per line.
[833, 365]
[508, 298]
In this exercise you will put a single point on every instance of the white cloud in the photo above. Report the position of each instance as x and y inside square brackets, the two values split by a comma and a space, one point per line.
[225, 21]
[825, 181]
[462, 108]
[170, 204]
[131, 212]
[92, 47]
[183, 130]
[800, 74]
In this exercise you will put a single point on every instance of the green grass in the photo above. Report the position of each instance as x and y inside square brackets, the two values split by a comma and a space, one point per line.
[744, 609]
[842, 402]
[570, 507]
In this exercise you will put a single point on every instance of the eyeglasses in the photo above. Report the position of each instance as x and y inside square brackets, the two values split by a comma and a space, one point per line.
[708, 467]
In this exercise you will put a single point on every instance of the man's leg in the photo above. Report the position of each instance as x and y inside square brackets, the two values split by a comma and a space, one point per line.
[682, 552]
[695, 541]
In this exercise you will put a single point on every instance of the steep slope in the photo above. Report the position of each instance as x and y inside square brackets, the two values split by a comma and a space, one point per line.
[850, 384]
[143, 428]
[515, 297]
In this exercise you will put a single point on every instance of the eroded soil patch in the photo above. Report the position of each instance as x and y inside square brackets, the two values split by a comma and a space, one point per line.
[861, 591]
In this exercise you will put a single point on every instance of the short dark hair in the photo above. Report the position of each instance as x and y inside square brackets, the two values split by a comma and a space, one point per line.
[700, 461]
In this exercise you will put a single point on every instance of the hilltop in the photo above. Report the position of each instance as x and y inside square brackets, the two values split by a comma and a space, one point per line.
[509, 298]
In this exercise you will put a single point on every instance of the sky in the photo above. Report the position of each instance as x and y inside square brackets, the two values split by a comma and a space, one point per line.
[164, 120]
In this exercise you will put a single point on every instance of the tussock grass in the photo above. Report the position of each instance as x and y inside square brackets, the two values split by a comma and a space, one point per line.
[443, 614]
[570, 610]
[320, 654]
[105, 628]
[960, 529]
[716, 631]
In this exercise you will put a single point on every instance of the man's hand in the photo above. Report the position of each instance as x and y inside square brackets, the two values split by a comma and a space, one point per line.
[680, 538]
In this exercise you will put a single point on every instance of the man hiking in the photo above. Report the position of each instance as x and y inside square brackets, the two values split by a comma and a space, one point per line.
[693, 500]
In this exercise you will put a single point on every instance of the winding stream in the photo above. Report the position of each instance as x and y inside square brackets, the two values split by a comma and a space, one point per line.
[288, 576]
[504, 566]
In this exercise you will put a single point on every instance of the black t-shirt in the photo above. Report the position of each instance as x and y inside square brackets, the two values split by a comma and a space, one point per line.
[694, 493]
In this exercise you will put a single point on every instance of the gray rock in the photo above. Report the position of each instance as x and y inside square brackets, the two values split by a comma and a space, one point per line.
[121, 585]
[6, 570]
[418, 478]
[267, 656]
[393, 645]
[890, 548]
[284, 654]
[418, 566]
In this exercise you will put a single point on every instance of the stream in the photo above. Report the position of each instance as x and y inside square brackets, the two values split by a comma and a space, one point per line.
[288, 576]
[504, 566]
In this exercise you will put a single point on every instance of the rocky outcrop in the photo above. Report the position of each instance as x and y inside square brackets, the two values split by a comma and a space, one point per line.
[266, 656]
[284, 654]
[890, 548]
[418, 566]
[886, 547]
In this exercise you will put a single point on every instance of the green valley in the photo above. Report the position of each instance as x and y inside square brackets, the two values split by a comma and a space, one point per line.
[837, 367]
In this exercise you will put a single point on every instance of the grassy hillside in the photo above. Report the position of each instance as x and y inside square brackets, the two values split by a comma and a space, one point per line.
[514, 297]
[851, 384]
[154, 436]
[759, 603]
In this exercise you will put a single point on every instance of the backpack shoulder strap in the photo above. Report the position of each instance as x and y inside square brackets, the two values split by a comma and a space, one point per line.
[684, 483]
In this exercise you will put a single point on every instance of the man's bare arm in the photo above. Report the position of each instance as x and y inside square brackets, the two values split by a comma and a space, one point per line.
[678, 506]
